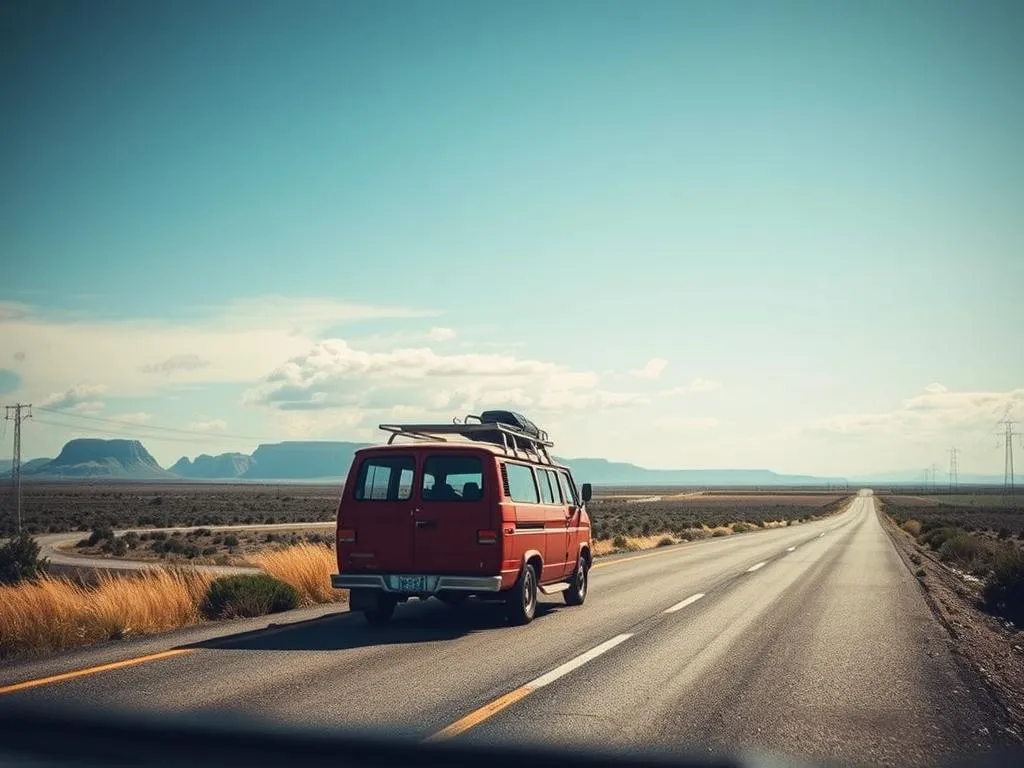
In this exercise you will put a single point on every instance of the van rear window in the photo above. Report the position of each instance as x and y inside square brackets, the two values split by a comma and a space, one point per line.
[385, 478]
[453, 478]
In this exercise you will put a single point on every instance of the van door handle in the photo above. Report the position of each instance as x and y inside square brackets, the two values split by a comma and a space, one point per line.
[426, 523]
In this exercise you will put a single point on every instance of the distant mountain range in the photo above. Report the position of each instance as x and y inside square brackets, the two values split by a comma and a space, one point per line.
[328, 461]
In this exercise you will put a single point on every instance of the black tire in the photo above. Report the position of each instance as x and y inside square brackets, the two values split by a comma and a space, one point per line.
[579, 584]
[453, 598]
[521, 603]
[382, 613]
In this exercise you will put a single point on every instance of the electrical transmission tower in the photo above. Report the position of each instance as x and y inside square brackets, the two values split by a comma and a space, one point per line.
[1008, 435]
[954, 469]
[17, 413]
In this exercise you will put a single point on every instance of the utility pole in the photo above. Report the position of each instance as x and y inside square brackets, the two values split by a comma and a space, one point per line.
[1008, 435]
[17, 413]
[954, 469]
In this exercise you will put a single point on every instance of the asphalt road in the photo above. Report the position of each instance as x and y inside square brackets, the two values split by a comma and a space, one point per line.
[812, 641]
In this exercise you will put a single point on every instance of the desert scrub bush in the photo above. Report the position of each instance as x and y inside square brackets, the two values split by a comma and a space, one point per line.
[231, 540]
[913, 527]
[666, 541]
[936, 537]
[967, 549]
[743, 527]
[1004, 587]
[720, 531]
[102, 533]
[307, 568]
[19, 560]
[247, 595]
[915, 558]
[619, 542]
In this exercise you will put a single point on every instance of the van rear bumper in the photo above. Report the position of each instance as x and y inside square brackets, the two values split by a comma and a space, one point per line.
[391, 582]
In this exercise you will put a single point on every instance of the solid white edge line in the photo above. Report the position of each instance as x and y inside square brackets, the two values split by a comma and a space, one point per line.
[683, 603]
[579, 661]
[753, 568]
[791, 549]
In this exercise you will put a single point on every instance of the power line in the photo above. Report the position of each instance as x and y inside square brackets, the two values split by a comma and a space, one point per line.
[195, 437]
[21, 412]
[141, 427]
[954, 469]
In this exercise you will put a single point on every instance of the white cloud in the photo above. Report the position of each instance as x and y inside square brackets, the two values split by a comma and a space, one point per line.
[213, 425]
[75, 396]
[935, 412]
[441, 334]
[652, 369]
[695, 387]
[239, 342]
[334, 375]
[182, 362]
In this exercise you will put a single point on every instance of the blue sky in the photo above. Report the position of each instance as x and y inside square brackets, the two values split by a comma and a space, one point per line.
[275, 221]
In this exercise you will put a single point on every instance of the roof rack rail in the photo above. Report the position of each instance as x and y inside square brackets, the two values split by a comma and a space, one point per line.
[512, 441]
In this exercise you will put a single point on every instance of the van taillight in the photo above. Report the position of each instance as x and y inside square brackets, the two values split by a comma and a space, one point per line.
[487, 537]
[347, 535]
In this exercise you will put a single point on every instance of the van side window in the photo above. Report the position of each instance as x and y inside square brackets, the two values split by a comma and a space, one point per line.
[385, 478]
[567, 489]
[453, 478]
[543, 477]
[521, 486]
[556, 491]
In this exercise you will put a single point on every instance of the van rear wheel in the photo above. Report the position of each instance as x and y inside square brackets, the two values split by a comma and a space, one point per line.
[522, 598]
[380, 613]
[579, 583]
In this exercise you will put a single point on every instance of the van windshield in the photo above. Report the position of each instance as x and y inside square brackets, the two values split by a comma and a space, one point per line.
[453, 478]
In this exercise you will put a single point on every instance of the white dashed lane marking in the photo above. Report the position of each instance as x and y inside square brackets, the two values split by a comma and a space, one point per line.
[683, 603]
[753, 568]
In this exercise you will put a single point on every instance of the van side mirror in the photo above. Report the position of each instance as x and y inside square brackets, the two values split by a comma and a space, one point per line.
[588, 491]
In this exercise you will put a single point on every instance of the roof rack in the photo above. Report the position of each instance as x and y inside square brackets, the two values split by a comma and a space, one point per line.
[513, 442]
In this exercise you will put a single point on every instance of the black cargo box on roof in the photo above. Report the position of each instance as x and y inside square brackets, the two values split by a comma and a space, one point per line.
[511, 419]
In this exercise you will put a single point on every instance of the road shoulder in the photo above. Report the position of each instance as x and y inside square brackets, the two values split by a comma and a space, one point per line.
[989, 649]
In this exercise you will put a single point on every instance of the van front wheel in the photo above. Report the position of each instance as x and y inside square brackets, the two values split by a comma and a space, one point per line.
[522, 598]
[579, 583]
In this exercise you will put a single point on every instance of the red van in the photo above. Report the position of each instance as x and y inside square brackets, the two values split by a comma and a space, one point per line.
[474, 508]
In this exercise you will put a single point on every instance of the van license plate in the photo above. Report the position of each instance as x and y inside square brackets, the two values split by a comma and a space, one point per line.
[412, 583]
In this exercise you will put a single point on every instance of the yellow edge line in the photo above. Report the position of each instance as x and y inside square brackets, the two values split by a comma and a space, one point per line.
[93, 670]
[634, 557]
[478, 716]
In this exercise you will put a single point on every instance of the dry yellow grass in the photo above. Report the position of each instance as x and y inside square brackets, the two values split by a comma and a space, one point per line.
[307, 567]
[633, 544]
[53, 613]
[56, 613]
[913, 527]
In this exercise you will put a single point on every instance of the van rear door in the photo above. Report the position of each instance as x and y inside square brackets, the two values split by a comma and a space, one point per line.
[456, 527]
[379, 514]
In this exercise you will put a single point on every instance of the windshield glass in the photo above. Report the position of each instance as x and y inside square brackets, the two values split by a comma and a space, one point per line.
[587, 374]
